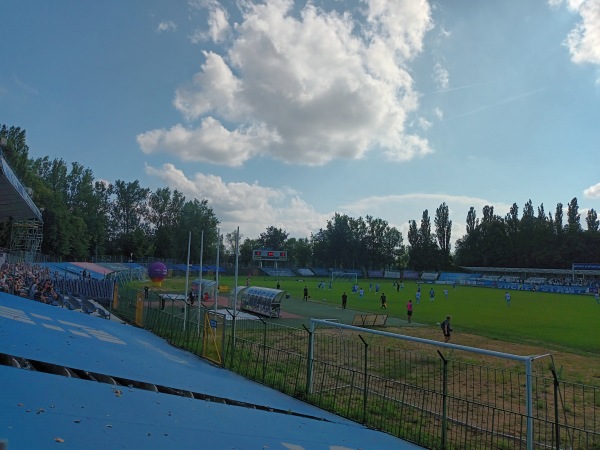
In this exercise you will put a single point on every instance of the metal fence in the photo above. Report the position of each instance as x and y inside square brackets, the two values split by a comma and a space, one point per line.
[439, 398]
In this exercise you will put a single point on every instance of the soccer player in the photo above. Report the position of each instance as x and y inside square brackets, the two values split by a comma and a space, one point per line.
[446, 328]
[507, 298]
[446, 293]
[344, 300]
[597, 298]
[305, 298]
[383, 301]
[418, 297]
[431, 295]
[409, 310]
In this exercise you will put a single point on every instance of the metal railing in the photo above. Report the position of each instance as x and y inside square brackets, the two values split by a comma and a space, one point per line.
[439, 398]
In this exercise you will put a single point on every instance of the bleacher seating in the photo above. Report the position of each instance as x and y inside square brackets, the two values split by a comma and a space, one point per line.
[536, 280]
[429, 276]
[411, 275]
[451, 277]
[305, 272]
[278, 272]
[320, 272]
[490, 277]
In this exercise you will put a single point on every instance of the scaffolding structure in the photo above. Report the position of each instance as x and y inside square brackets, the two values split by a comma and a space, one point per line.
[26, 239]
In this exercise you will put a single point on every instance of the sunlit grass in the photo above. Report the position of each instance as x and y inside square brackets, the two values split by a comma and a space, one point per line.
[557, 321]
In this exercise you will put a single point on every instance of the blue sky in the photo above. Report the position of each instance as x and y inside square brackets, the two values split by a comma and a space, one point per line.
[283, 113]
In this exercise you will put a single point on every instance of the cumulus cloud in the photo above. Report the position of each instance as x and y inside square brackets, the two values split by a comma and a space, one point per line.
[592, 191]
[250, 206]
[217, 22]
[424, 123]
[441, 76]
[219, 145]
[167, 26]
[253, 207]
[303, 88]
[583, 41]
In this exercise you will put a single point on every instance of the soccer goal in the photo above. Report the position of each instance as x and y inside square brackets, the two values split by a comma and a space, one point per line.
[344, 276]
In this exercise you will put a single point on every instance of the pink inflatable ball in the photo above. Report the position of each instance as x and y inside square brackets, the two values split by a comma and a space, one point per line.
[157, 272]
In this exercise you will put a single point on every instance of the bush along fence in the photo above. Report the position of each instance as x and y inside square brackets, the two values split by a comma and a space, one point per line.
[437, 395]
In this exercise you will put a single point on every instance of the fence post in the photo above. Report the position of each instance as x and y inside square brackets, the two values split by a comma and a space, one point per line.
[264, 367]
[365, 387]
[529, 402]
[556, 416]
[309, 360]
[444, 399]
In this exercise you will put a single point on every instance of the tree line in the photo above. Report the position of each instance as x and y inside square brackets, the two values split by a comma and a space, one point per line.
[85, 218]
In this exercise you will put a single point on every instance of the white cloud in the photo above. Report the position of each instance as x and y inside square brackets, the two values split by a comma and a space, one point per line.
[424, 123]
[583, 41]
[217, 21]
[250, 206]
[254, 208]
[167, 26]
[217, 144]
[592, 191]
[438, 113]
[441, 76]
[312, 87]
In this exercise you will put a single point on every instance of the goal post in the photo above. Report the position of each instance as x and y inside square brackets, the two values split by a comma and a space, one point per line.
[344, 276]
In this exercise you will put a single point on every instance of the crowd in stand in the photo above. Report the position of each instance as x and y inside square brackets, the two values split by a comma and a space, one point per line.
[29, 281]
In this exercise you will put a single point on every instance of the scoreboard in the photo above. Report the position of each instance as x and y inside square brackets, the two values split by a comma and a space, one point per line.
[269, 255]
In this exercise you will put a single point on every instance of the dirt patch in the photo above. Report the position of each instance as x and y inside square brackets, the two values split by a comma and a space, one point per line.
[570, 367]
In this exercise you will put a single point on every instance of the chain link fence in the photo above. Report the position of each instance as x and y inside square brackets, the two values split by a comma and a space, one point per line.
[437, 398]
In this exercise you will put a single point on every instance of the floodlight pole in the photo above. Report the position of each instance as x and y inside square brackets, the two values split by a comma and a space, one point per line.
[200, 282]
[235, 278]
[187, 277]
[217, 268]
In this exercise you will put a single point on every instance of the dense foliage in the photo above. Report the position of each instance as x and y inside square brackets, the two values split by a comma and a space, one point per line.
[532, 240]
[88, 218]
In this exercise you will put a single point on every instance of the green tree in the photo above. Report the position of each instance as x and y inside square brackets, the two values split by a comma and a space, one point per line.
[591, 221]
[299, 251]
[558, 219]
[247, 248]
[443, 233]
[164, 212]
[16, 152]
[198, 218]
[273, 238]
[573, 217]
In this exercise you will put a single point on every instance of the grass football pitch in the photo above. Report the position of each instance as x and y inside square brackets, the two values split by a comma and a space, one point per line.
[554, 321]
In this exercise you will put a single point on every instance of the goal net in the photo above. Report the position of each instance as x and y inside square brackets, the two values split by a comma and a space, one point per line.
[344, 276]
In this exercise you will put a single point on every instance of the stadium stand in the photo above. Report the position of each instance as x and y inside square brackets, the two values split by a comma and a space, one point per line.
[510, 279]
[429, 276]
[451, 277]
[411, 275]
[490, 277]
[113, 386]
[278, 272]
[320, 272]
[305, 272]
[536, 280]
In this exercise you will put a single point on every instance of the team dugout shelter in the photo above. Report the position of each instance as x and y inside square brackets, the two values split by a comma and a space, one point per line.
[260, 300]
